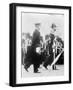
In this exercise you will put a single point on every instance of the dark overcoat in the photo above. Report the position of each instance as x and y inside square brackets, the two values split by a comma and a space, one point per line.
[35, 44]
[49, 59]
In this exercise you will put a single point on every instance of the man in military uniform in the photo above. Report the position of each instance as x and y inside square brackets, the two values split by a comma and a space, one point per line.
[35, 44]
[49, 48]
[53, 27]
[49, 57]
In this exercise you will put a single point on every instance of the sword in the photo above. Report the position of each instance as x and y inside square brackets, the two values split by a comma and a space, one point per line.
[57, 58]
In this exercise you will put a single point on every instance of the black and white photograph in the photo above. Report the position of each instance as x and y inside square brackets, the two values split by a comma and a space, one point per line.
[41, 44]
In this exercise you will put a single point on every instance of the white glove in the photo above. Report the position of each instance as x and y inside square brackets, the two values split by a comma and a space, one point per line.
[38, 50]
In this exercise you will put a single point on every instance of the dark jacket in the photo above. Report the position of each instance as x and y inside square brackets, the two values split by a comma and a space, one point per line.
[49, 59]
[36, 38]
[35, 44]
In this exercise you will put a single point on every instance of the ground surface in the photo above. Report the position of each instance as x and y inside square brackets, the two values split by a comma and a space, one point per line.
[43, 71]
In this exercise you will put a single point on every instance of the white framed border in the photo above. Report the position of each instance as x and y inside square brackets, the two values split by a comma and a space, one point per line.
[20, 80]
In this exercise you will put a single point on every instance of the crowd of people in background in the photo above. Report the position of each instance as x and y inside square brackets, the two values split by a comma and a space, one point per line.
[36, 51]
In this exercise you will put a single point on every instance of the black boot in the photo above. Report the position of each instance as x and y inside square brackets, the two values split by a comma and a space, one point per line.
[26, 68]
[45, 67]
[36, 69]
[54, 67]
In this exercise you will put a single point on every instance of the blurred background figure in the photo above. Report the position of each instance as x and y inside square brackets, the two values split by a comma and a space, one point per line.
[23, 51]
